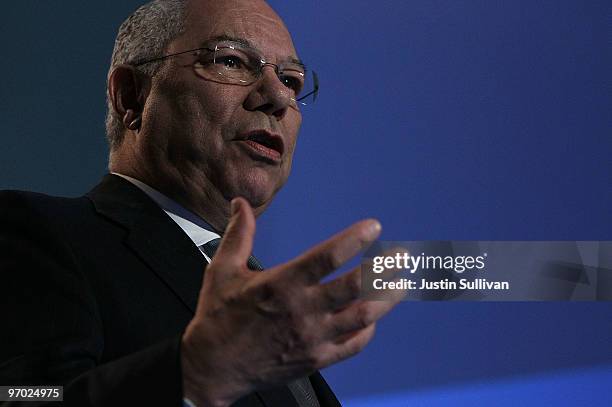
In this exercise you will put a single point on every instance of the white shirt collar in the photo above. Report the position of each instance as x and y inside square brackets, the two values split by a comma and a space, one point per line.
[193, 225]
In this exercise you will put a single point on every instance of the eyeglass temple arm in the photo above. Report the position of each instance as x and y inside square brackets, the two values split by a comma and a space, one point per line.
[148, 61]
[315, 91]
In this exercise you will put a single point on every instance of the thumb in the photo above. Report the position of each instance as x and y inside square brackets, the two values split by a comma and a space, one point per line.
[237, 243]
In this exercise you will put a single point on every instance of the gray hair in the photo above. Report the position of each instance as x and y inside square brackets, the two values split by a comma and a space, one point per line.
[143, 35]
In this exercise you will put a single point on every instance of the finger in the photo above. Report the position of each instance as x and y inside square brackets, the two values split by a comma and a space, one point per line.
[350, 286]
[328, 256]
[237, 243]
[358, 316]
[339, 292]
[349, 346]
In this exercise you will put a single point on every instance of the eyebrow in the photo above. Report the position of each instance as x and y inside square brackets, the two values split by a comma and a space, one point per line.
[245, 43]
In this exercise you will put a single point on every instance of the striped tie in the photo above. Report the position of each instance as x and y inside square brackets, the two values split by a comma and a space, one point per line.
[211, 247]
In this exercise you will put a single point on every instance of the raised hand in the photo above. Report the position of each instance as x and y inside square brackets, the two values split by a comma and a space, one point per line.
[256, 330]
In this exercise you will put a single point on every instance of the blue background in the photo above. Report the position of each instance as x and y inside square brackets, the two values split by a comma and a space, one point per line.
[478, 120]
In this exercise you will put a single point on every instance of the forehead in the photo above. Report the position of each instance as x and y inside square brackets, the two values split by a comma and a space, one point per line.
[251, 20]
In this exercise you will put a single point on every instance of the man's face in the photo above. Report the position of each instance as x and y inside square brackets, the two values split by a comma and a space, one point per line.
[209, 134]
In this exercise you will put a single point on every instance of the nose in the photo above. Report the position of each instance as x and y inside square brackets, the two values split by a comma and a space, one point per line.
[269, 95]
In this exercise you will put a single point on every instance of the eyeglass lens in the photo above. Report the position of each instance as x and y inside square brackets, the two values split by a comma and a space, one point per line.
[240, 65]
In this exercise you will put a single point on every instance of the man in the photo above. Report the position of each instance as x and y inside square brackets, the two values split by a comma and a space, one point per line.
[105, 294]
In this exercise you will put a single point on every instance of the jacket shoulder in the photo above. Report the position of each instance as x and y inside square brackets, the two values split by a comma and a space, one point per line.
[27, 201]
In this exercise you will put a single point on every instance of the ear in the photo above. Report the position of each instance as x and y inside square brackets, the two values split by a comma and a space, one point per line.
[128, 90]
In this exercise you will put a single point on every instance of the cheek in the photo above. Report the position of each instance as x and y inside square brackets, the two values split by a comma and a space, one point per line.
[200, 105]
[192, 111]
[217, 102]
[293, 128]
[290, 153]
[203, 122]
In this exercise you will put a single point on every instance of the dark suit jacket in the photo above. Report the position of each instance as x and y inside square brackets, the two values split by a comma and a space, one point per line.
[96, 292]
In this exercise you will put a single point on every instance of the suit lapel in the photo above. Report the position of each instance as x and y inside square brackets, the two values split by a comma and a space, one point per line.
[174, 258]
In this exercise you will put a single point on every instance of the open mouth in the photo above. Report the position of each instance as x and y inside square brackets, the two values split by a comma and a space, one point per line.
[265, 144]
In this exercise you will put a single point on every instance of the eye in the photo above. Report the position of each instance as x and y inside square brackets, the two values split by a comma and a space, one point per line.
[292, 82]
[230, 62]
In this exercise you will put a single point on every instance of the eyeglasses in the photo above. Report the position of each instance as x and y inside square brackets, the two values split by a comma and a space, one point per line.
[237, 64]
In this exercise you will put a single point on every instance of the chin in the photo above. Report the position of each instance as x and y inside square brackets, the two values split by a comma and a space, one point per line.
[257, 198]
[257, 190]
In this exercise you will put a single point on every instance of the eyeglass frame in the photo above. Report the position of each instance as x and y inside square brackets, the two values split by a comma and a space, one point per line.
[263, 64]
